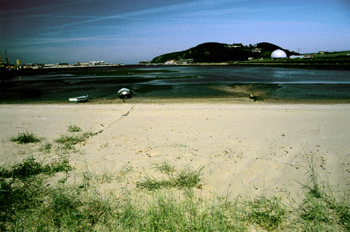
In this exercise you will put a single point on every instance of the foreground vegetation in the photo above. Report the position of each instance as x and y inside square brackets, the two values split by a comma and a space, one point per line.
[25, 137]
[31, 201]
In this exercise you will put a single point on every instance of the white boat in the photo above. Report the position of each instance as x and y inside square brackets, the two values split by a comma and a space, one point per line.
[124, 93]
[79, 99]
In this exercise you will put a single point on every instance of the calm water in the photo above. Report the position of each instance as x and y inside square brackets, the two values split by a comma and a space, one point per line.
[183, 81]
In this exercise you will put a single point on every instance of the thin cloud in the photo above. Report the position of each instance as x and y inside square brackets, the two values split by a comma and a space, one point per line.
[39, 7]
[38, 41]
[43, 41]
[144, 14]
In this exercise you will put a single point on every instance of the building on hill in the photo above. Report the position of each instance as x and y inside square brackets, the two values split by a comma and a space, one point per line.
[144, 62]
[257, 50]
[309, 56]
[186, 61]
[234, 45]
[170, 62]
[296, 56]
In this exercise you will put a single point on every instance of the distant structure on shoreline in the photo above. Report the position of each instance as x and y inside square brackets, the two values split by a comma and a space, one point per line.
[18, 66]
[279, 54]
[80, 65]
[2, 65]
[57, 65]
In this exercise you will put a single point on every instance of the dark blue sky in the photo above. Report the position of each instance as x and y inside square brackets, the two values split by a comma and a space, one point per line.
[128, 31]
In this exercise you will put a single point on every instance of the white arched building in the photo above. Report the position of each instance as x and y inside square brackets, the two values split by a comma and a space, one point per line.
[279, 54]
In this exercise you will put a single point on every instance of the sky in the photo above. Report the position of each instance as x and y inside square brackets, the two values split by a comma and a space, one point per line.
[128, 31]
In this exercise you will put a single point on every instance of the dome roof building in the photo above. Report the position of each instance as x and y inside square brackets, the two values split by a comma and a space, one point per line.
[279, 54]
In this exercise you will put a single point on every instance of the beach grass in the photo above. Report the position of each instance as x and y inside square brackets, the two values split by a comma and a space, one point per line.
[323, 209]
[68, 141]
[165, 167]
[25, 137]
[74, 128]
[30, 167]
[186, 178]
[46, 147]
[28, 203]
[266, 212]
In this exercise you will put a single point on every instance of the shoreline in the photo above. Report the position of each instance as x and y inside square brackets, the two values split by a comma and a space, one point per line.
[157, 100]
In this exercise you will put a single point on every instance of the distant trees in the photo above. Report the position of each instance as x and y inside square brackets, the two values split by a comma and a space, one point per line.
[219, 52]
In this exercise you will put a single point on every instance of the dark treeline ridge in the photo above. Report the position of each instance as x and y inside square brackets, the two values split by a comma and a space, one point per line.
[220, 52]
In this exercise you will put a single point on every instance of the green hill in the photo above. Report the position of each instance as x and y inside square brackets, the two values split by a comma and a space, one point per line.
[220, 52]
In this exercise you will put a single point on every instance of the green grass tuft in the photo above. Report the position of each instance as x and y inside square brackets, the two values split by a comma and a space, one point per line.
[25, 138]
[322, 209]
[152, 183]
[74, 128]
[165, 167]
[266, 212]
[30, 167]
[187, 178]
[70, 140]
[46, 148]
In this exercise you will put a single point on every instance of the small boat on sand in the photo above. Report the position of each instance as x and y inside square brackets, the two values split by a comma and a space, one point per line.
[79, 99]
[124, 93]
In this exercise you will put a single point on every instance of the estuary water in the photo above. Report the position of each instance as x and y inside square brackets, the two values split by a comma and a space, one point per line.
[274, 83]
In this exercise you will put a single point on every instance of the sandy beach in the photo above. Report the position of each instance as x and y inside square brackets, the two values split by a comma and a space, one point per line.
[252, 147]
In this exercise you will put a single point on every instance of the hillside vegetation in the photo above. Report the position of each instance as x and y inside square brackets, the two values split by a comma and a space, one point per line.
[220, 52]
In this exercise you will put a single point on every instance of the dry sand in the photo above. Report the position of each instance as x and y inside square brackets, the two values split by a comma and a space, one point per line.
[256, 147]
